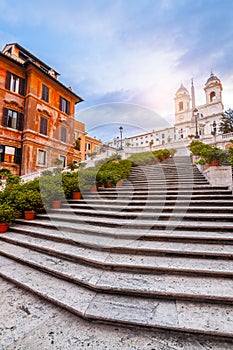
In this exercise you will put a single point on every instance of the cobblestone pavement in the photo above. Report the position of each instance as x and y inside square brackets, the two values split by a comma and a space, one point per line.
[30, 323]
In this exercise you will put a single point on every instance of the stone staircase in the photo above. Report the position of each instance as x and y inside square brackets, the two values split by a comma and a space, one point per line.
[157, 252]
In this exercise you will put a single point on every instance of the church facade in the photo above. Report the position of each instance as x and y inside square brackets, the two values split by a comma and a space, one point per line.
[192, 121]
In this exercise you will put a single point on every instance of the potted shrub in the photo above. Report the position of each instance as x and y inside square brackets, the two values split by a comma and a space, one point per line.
[51, 191]
[71, 185]
[7, 215]
[213, 156]
[72, 166]
[29, 202]
[87, 179]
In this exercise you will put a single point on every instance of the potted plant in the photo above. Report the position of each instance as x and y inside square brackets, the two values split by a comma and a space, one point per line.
[29, 202]
[71, 185]
[213, 156]
[87, 179]
[72, 166]
[7, 215]
[51, 190]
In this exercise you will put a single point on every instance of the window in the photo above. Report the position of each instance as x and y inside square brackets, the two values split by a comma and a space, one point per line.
[15, 83]
[12, 119]
[212, 96]
[10, 154]
[181, 106]
[63, 159]
[88, 146]
[43, 126]
[96, 148]
[45, 93]
[64, 105]
[41, 159]
[63, 134]
[163, 136]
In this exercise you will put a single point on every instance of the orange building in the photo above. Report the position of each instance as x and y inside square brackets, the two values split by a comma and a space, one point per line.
[36, 114]
[93, 146]
[84, 144]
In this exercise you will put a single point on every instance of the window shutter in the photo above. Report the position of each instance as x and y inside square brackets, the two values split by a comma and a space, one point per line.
[2, 152]
[68, 107]
[5, 117]
[18, 155]
[20, 121]
[22, 86]
[8, 80]
[60, 107]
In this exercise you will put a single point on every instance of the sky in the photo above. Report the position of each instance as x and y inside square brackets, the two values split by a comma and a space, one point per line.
[126, 58]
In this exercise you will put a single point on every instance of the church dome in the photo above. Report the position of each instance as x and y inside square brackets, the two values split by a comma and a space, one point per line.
[213, 79]
[182, 90]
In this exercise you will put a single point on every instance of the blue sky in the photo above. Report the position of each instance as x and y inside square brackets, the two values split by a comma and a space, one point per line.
[127, 51]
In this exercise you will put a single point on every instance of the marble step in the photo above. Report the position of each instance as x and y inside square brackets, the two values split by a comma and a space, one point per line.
[168, 196]
[208, 318]
[182, 287]
[163, 189]
[221, 226]
[184, 245]
[188, 202]
[137, 208]
[204, 266]
[107, 237]
[176, 214]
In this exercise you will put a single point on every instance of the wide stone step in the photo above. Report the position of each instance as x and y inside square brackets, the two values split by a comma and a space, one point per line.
[181, 287]
[152, 208]
[141, 197]
[162, 190]
[220, 226]
[126, 262]
[218, 202]
[151, 312]
[132, 246]
[176, 214]
[88, 235]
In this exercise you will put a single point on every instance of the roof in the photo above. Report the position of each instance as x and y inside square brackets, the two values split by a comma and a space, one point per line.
[28, 62]
[212, 78]
[182, 90]
[28, 53]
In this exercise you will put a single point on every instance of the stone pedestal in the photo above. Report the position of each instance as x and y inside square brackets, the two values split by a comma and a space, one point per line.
[219, 176]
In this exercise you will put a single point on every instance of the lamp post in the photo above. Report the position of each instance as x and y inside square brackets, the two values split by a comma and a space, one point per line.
[196, 115]
[121, 131]
[214, 127]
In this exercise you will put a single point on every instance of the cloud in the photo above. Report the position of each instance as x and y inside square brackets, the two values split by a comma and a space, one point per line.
[126, 51]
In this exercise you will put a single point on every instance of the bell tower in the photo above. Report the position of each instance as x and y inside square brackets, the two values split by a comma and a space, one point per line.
[182, 105]
[213, 90]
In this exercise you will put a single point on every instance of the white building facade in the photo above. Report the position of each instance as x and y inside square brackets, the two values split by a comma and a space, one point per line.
[191, 121]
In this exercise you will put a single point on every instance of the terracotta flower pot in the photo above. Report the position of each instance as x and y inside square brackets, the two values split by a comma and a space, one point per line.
[3, 227]
[56, 204]
[215, 163]
[108, 185]
[76, 195]
[29, 214]
[93, 188]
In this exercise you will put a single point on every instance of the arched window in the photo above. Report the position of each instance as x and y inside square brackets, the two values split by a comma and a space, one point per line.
[212, 96]
[181, 106]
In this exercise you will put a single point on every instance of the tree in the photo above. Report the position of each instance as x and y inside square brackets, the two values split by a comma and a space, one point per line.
[226, 123]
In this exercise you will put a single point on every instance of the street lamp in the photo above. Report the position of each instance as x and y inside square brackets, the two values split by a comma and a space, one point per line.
[196, 115]
[214, 127]
[121, 130]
